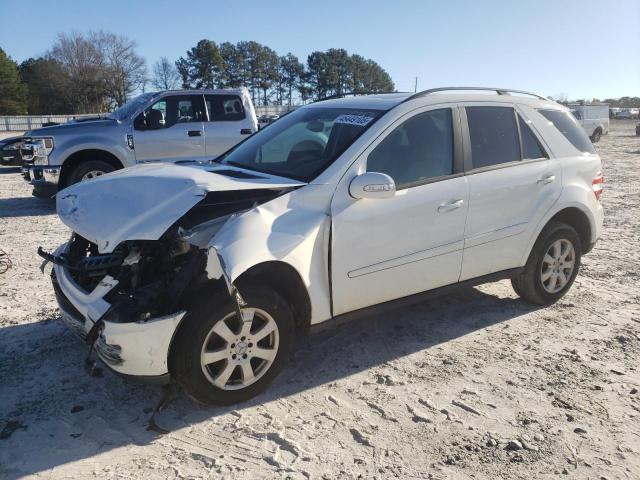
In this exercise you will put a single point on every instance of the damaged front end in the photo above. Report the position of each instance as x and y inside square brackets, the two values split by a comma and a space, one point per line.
[129, 302]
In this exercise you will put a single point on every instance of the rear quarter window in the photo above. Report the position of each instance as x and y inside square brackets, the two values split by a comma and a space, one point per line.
[567, 125]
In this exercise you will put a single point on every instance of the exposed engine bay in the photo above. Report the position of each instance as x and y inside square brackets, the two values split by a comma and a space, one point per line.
[157, 277]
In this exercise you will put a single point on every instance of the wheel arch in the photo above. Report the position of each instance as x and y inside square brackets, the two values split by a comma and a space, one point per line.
[575, 217]
[578, 220]
[73, 160]
[286, 281]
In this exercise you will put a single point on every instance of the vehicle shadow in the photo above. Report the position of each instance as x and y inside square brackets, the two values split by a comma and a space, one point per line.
[26, 207]
[44, 383]
[6, 170]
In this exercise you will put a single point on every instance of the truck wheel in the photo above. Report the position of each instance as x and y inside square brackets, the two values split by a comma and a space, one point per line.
[89, 170]
[221, 360]
[595, 138]
[552, 265]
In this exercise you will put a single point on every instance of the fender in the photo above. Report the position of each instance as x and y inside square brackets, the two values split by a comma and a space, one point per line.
[277, 231]
[573, 196]
[63, 151]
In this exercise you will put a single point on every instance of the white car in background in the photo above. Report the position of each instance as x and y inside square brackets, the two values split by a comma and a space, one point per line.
[206, 273]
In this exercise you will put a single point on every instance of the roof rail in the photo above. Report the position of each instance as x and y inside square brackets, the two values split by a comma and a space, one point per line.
[342, 95]
[499, 91]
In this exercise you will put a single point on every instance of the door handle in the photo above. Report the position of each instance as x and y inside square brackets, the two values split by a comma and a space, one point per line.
[546, 179]
[194, 133]
[246, 131]
[447, 207]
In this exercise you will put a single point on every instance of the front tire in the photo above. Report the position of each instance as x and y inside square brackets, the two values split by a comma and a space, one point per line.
[595, 138]
[552, 265]
[89, 170]
[220, 360]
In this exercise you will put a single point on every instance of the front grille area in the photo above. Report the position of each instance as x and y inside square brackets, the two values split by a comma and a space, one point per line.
[87, 266]
[151, 274]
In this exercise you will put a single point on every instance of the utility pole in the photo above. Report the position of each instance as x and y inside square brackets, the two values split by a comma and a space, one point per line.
[415, 86]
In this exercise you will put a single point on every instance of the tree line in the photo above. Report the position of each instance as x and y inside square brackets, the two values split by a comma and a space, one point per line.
[274, 79]
[98, 71]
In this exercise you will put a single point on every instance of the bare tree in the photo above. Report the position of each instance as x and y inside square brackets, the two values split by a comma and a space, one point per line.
[82, 67]
[124, 71]
[165, 75]
[101, 69]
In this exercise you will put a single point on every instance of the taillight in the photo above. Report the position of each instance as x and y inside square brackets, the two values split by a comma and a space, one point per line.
[598, 185]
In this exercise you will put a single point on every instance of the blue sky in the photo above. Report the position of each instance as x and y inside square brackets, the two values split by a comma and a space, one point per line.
[582, 48]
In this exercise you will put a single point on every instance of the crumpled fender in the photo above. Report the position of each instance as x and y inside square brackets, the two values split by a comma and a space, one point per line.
[277, 231]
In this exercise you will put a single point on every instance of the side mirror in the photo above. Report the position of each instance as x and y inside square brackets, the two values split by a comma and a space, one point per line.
[372, 185]
[139, 122]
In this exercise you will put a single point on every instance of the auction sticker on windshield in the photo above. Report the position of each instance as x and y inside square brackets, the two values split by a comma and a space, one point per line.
[354, 119]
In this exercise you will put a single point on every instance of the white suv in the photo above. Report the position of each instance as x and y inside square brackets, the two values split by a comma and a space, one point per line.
[204, 272]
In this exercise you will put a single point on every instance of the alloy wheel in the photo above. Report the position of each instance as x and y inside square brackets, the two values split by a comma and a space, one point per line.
[237, 353]
[91, 174]
[557, 265]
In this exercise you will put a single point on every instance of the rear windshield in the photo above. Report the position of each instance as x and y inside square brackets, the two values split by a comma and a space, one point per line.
[569, 127]
[301, 144]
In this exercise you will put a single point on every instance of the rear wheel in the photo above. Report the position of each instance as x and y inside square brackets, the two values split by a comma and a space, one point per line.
[89, 170]
[595, 138]
[220, 359]
[552, 265]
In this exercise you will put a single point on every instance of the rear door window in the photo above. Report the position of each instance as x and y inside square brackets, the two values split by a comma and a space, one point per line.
[224, 108]
[569, 127]
[493, 134]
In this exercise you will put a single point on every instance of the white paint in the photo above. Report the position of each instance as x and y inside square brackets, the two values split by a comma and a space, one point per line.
[144, 345]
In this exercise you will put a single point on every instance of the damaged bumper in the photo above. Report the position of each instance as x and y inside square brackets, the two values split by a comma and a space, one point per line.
[138, 349]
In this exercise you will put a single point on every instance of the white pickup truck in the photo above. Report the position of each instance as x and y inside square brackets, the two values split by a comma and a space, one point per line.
[169, 126]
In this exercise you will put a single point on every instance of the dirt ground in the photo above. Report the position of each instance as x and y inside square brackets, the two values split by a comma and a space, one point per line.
[474, 385]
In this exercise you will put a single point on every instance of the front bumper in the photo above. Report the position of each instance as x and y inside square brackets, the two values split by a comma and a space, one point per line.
[137, 349]
[41, 174]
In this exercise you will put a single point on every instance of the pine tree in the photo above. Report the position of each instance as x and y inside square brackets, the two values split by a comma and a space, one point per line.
[13, 97]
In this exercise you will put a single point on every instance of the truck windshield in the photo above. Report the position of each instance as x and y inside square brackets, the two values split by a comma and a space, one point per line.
[132, 106]
[303, 143]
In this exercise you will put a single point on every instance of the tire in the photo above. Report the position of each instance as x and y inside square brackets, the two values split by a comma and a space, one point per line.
[197, 335]
[529, 285]
[90, 169]
[595, 138]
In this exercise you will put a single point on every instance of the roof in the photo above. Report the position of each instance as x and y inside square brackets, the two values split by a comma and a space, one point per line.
[386, 101]
[219, 91]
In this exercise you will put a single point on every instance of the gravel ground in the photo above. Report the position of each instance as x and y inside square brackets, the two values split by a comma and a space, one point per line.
[474, 385]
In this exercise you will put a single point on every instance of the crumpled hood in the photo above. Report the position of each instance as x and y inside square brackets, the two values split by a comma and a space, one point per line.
[142, 202]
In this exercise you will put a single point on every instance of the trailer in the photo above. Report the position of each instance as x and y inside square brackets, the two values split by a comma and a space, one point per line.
[594, 118]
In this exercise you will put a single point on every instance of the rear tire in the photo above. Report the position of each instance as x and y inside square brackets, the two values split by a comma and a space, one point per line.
[88, 170]
[204, 352]
[595, 138]
[552, 265]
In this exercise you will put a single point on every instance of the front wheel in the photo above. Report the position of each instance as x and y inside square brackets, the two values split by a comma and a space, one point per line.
[552, 265]
[220, 359]
[89, 170]
[595, 138]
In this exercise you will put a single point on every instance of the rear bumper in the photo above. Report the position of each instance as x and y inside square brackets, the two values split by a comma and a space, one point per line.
[138, 349]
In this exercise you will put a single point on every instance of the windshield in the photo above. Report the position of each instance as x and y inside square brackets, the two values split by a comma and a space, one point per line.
[302, 143]
[131, 106]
